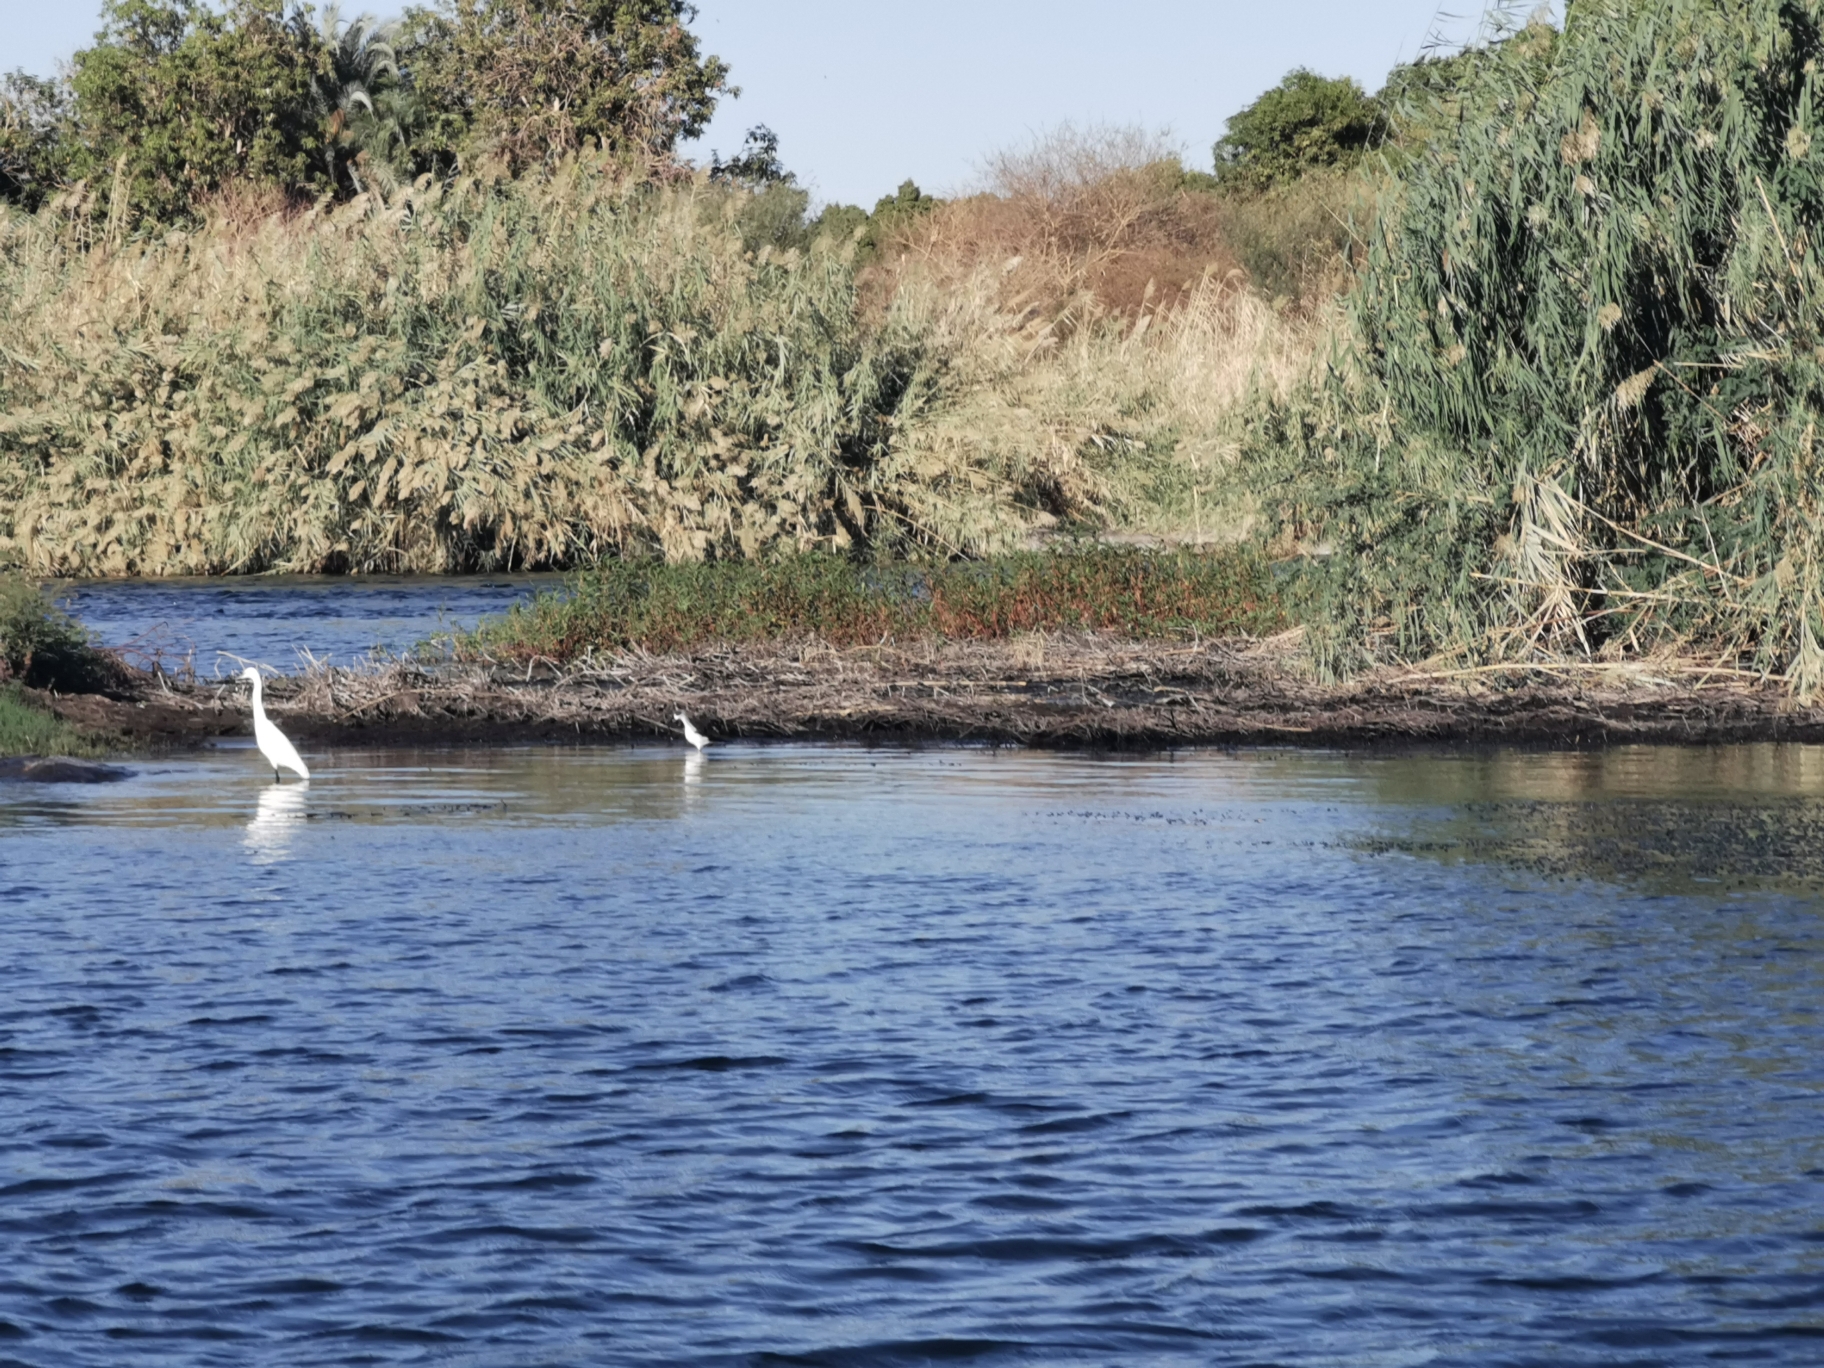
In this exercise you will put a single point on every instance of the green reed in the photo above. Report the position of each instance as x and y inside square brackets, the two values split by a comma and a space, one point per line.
[552, 371]
[1578, 406]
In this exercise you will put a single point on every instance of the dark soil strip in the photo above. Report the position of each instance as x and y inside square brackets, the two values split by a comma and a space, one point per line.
[1066, 691]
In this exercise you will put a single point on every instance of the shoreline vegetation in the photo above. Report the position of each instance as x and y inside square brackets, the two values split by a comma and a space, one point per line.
[564, 370]
[1506, 379]
[44, 652]
[1062, 689]
[1016, 651]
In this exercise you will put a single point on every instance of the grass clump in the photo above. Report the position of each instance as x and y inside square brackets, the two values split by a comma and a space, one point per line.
[1169, 594]
[1579, 404]
[26, 730]
[43, 647]
[666, 608]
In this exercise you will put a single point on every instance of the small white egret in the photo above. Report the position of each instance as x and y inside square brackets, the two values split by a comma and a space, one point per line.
[279, 751]
[691, 734]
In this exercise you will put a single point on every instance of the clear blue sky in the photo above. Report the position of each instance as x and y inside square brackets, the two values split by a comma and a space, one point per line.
[864, 94]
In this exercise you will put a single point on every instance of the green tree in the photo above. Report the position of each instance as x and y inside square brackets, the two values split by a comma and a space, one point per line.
[34, 137]
[839, 223]
[892, 213]
[1304, 123]
[182, 99]
[756, 164]
[361, 105]
[771, 208]
[528, 81]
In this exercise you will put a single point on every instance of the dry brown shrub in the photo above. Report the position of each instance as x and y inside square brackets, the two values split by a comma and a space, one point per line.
[247, 207]
[1081, 220]
[1124, 424]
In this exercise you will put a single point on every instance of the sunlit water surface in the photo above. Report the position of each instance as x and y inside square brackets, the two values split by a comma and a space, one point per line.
[838, 1056]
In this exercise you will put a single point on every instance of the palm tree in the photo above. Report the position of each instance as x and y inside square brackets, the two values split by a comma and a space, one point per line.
[359, 96]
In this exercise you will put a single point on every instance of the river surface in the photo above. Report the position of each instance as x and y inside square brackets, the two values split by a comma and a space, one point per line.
[217, 626]
[837, 1056]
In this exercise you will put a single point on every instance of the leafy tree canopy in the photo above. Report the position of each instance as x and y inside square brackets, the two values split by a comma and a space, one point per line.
[34, 114]
[756, 164]
[1305, 122]
[528, 81]
[176, 99]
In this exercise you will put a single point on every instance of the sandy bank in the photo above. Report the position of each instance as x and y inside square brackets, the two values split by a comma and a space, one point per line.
[1050, 691]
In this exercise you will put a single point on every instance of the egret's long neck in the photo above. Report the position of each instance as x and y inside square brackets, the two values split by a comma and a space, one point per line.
[258, 710]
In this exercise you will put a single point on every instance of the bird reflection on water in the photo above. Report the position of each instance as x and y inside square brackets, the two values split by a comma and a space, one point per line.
[276, 821]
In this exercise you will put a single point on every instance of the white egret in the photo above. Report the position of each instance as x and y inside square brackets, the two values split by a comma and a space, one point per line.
[279, 751]
[691, 734]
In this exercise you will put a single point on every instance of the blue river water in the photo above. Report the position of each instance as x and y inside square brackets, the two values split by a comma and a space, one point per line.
[217, 626]
[800, 1055]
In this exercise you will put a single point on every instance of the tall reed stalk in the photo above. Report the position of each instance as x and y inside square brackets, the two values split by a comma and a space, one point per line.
[1579, 405]
[546, 372]
[561, 371]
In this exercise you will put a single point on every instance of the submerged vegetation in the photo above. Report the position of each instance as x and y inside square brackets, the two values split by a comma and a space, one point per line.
[666, 608]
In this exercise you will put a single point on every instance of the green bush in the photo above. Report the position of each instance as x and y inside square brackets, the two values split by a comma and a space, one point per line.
[44, 647]
[893, 214]
[1305, 123]
[1581, 404]
[839, 224]
[1296, 241]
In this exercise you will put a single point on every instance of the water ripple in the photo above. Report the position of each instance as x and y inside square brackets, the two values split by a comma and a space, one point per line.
[847, 1057]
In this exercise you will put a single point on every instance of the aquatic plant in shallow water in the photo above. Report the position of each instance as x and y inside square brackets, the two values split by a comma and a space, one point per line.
[1579, 406]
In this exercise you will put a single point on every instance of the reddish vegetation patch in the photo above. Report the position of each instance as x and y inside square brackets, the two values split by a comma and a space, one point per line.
[669, 608]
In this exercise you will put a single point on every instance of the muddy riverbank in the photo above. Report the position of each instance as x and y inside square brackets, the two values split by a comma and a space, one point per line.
[1052, 691]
